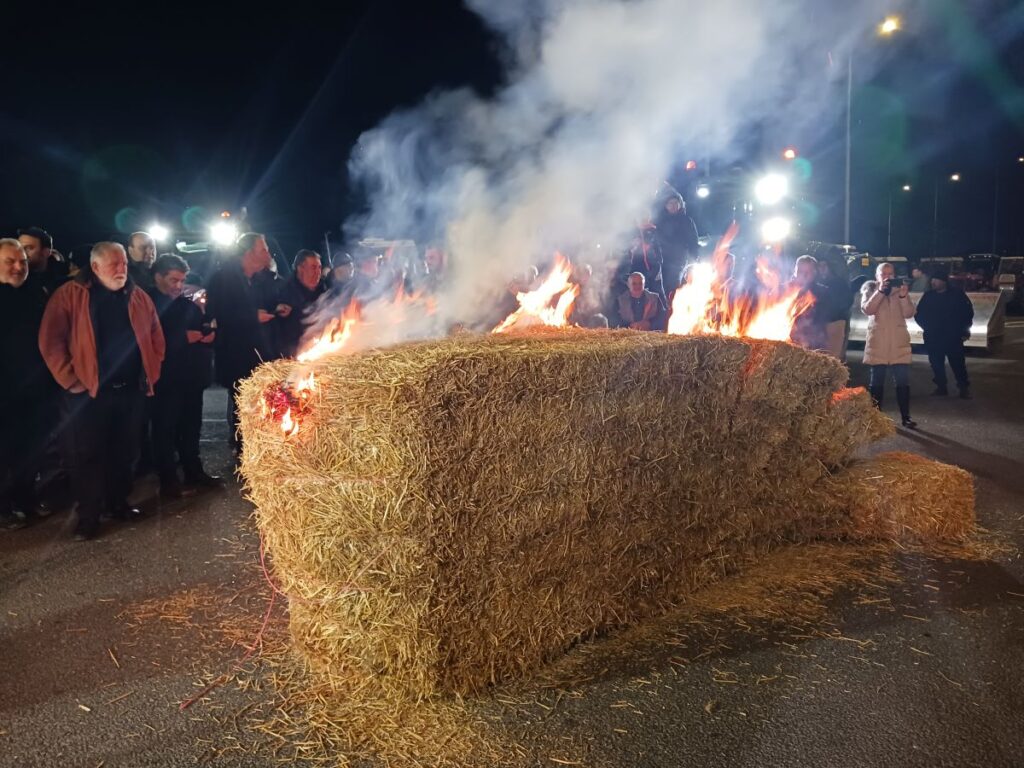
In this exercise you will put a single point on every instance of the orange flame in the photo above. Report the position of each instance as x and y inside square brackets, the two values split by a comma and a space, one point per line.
[535, 306]
[288, 425]
[334, 337]
[703, 304]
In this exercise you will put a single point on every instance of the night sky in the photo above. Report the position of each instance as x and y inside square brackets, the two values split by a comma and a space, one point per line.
[113, 119]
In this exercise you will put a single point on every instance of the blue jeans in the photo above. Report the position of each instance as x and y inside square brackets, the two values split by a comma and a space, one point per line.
[900, 373]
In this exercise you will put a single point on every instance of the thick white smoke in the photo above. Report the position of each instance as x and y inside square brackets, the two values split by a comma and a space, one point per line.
[601, 97]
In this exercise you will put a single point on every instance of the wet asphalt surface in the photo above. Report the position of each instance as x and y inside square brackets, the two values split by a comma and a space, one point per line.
[935, 677]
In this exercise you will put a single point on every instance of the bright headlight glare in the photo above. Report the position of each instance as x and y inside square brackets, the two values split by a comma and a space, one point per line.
[776, 230]
[224, 233]
[771, 189]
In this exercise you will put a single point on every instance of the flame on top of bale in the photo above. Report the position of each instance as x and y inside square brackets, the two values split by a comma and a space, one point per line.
[535, 307]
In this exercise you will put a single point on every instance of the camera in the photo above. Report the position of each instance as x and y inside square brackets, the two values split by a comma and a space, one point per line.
[890, 285]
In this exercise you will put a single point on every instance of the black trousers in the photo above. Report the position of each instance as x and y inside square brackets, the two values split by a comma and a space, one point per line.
[938, 353]
[28, 424]
[177, 423]
[101, 438]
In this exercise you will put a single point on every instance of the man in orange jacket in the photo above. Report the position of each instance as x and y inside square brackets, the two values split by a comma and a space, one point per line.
[101, 339]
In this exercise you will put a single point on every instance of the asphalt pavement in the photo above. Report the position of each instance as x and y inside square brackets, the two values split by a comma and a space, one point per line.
[101, 641]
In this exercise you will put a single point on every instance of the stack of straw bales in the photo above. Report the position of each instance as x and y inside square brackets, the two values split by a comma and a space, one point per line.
[455, 513]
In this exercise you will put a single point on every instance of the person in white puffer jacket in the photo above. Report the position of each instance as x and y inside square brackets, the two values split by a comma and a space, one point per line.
[886, 302]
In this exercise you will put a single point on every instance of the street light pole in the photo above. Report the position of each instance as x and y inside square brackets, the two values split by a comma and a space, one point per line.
[888, 237]
[849, 145]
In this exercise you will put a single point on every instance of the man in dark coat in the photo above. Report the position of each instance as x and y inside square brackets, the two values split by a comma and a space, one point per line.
[945, 314]
[238, 300]
[46, 267]
[677, 235]
[187, 371]
[141, 255]
[300, 292]
[27, 391]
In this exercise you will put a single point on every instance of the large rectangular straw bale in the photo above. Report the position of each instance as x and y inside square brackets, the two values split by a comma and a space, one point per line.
[454, 513]
[907, 498]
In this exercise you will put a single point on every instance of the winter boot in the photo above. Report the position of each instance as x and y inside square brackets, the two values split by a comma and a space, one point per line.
[903, 399]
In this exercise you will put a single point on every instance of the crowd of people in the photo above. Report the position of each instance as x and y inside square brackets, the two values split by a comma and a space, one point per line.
[105, 367]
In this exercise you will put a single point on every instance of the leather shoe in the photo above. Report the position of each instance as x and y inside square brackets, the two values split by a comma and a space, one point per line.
[125, 512]
[203, 480]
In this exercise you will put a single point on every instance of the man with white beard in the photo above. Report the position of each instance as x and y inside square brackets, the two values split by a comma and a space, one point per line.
[101, 340]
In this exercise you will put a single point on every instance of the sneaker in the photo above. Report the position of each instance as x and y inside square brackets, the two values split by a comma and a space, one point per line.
[909, 423]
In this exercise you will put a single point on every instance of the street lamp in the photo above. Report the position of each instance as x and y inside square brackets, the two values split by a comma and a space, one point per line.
[789, 153]
[889, 26]
[703, 190]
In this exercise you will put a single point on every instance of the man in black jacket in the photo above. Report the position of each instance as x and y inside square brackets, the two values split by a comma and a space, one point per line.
[186, 372]
[46, 268]
[677, 235]
[27, 391]
[945, 315]
[141, 255]
[239, 299]
[300, 292]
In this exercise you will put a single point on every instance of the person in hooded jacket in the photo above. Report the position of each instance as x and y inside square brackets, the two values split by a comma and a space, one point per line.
[677, 236]
[886, 302]
[945, 314]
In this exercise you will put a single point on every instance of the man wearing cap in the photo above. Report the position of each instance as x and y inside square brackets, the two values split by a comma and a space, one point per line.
[945, 314]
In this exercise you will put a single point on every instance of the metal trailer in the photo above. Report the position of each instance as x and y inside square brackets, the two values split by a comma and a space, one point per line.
[989, 320]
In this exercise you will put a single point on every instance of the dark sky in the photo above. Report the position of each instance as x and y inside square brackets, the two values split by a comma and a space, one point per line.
[113, 118]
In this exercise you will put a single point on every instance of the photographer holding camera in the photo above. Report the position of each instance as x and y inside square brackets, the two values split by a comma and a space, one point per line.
[886, 302]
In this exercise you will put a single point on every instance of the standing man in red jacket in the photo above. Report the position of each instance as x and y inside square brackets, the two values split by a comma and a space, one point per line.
[101, 339]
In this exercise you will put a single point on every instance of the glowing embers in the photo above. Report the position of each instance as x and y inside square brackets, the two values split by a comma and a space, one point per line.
[289, 403]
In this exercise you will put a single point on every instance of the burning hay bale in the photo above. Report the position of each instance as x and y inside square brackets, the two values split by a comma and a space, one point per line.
[450, 514]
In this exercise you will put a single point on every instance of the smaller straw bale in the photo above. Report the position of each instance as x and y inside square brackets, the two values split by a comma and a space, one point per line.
[906, 498]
